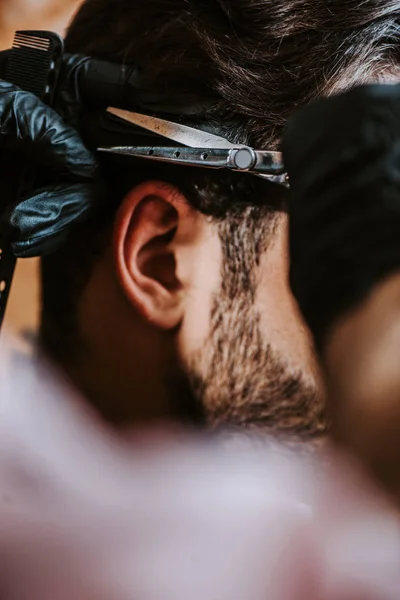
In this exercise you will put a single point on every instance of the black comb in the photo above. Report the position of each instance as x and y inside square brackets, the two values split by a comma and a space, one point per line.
[33, 64]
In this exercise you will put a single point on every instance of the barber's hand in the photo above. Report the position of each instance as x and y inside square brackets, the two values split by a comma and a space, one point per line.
[34, 136]
[343, 159]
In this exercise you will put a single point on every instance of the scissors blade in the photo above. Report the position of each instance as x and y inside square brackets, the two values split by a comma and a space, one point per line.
[188, 136]
[204, 157]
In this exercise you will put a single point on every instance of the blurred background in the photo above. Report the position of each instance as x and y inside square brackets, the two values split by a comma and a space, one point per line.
[53, 15]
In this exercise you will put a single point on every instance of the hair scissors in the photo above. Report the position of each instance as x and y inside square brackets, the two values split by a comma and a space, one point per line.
[202, 149]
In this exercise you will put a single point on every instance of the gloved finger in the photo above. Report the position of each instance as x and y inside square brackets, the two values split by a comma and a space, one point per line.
[89, 82]
[343, 159]
[327, 139]
[68, 100]
[41, 223]
[28, 126]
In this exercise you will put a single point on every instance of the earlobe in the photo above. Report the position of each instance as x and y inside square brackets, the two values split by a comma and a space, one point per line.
[145, 253]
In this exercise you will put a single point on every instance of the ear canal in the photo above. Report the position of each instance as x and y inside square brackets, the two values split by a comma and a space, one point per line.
[156, 262]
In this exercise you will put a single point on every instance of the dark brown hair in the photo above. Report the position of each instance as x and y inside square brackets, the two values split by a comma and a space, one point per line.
[254, 61]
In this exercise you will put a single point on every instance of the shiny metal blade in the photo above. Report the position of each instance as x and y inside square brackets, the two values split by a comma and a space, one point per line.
[216, 158]
[188, 136]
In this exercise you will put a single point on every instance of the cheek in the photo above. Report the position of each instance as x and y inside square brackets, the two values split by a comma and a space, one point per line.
[204, 285]
[281, 321]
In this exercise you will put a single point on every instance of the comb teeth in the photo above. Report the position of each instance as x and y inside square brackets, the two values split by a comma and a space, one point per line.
[32, 61]
[22, 40]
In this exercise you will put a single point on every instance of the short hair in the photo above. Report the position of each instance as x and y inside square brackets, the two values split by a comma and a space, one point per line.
[254, 61]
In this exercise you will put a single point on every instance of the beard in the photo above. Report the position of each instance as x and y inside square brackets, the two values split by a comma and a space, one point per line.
[237, 380]
[241, 382]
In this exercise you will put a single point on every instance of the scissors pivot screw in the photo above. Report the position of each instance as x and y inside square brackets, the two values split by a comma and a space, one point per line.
[243, 159]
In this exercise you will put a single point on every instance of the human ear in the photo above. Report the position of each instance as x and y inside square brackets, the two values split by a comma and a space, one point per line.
[155, 232]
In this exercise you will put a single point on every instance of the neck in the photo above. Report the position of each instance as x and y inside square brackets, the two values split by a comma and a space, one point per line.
[124, 396]
[120, 362]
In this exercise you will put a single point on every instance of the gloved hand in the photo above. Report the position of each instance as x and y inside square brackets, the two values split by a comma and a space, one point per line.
[342, 155]
[33, 135]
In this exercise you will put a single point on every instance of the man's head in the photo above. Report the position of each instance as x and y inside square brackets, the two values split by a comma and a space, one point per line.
[174, 298]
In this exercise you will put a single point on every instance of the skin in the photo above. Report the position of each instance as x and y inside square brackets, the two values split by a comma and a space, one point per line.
[361, 364]
[162, 311]
[146, 312]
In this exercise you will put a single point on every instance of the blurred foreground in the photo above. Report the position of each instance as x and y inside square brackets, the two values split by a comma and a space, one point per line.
[164, 515]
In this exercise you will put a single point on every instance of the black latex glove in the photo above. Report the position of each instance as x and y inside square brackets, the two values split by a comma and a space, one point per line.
[33, 135]
[36, 137]
[342, 155]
